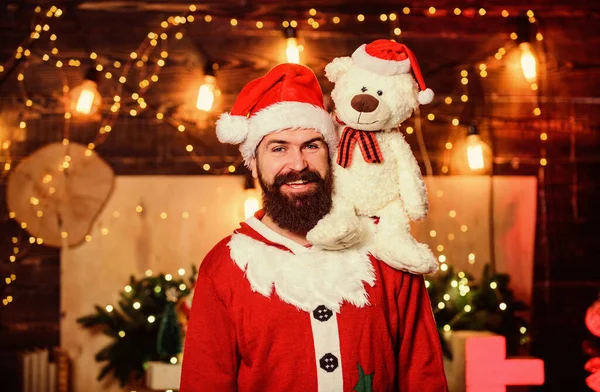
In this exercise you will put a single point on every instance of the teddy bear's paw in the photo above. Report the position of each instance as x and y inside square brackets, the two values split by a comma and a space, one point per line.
[333, 233]
[407, 255]
[417, 212]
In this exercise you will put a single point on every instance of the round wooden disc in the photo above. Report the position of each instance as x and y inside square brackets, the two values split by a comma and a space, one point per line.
[58, 191]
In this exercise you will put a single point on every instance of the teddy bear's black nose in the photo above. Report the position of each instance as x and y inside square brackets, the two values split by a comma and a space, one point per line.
[364, 103]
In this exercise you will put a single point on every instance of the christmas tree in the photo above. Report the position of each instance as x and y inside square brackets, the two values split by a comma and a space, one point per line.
[143, 326]
[461, 303]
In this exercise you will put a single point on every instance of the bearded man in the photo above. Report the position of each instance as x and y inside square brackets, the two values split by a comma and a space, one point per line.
[271, 313]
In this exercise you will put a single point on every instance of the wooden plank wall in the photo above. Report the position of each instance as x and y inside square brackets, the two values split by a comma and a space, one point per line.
[567, 277]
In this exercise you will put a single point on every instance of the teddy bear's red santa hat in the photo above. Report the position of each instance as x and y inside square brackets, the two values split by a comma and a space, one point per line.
[386, 57]
[288, 96]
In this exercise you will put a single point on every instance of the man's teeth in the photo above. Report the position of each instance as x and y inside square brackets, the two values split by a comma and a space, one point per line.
[299, 182]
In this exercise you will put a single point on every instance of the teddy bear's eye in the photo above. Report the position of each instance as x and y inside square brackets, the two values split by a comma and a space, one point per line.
[379, 92]
[364, 89]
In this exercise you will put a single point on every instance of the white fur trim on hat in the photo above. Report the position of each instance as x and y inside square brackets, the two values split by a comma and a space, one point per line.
[232, 129]
[425, 96]
[286, 115]
[379, 66]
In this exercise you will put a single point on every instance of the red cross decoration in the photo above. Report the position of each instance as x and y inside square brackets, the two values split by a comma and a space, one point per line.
[488, 369]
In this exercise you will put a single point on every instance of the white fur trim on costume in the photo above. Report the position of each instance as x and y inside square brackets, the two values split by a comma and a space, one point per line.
[337, 67]
[286, 115]
[305, 280]
[425, 96]
[275, 237]
[379, 66]
[232, 129]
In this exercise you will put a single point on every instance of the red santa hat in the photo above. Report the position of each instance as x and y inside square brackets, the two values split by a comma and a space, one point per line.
[288, 96]
[386, 57]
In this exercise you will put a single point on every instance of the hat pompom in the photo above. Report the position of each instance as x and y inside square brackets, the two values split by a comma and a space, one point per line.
[232, 129]
[425, 96]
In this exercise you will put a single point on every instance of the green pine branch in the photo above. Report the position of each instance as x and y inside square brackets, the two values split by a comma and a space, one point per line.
[136, 340]
[478, 308]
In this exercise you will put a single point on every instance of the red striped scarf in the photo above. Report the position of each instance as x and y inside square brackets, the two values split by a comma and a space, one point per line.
[367, 143]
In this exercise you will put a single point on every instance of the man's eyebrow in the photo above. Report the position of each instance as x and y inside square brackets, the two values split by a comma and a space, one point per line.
[277, 142]
[314, 139]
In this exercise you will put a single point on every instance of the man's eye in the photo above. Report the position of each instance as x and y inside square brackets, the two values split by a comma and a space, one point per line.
[278, 149]
[312, 146]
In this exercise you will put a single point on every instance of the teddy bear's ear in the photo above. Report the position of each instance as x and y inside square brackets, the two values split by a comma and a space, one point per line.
[339, 66]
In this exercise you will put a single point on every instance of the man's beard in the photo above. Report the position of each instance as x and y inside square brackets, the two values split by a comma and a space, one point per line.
[297, 213]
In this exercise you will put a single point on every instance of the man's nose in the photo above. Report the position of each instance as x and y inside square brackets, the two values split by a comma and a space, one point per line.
[298, 161]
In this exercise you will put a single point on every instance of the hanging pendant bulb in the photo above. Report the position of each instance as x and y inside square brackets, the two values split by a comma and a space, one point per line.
[528, 62]
[526, 33]
[209, 89]
[85, 98]
[478, 154]
[292, 51]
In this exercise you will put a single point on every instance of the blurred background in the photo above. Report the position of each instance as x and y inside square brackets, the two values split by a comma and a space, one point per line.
[114, 186]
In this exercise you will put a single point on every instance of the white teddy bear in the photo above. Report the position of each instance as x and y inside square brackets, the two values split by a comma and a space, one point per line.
[375, 173]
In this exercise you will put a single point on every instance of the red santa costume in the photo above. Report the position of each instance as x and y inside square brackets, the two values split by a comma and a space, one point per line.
[270, 314]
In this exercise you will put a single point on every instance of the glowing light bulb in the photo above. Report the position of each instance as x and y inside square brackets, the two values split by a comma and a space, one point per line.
[478, 153]
[85, 99]
[475, 157]
[292, 52]
[528, 62]
[206, 94]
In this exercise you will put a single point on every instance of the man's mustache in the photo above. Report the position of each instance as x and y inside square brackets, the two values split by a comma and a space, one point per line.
[305, 175]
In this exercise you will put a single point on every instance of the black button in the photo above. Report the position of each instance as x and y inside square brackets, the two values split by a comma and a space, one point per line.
[321, 313]
[329, 362]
